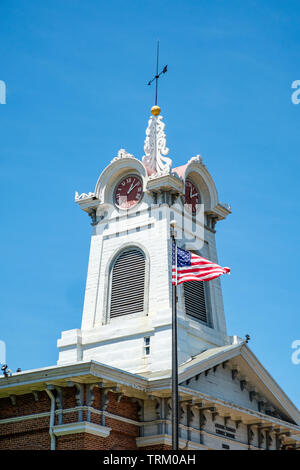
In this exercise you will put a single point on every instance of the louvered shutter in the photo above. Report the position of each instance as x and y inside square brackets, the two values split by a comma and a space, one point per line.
[128, 283]
[194, 297]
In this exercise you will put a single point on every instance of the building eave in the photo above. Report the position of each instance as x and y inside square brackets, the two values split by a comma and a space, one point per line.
[87, 372]
[269, 382]
[95, 372]
[249, 415]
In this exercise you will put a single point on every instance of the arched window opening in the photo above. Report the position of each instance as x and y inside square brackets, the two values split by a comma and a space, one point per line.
[195, 301]
[128, 283]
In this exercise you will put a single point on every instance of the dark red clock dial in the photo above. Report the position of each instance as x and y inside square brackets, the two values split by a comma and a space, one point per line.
[128, 192]
[192, 196]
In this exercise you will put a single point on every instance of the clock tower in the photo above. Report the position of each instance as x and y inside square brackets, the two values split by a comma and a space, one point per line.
[127, 313]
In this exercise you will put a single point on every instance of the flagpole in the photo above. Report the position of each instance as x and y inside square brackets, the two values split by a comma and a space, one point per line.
[175, 437]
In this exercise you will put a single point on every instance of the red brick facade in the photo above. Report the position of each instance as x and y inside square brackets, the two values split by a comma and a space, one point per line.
[98, 414]
[33, 433]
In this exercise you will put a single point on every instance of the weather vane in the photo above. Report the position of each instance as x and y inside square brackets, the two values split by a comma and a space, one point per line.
[156, 77]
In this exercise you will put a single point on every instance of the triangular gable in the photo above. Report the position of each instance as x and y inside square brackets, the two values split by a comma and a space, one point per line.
[233, 373]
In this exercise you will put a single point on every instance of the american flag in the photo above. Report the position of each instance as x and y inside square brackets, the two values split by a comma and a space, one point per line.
[190, 267]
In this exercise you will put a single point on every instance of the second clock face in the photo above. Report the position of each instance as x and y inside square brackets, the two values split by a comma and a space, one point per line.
[192, 196]
[128, 192]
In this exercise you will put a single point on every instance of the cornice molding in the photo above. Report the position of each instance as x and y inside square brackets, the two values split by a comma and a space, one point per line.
[84, 426]
[194, 394]
[165, 182]
[21, 382]
[218, 358]
[270, 383]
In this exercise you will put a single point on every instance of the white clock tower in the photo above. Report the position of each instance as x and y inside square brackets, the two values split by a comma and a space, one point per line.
[127, 313]
[113, 387]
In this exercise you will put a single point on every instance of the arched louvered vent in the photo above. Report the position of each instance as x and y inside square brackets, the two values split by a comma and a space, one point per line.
[194, 297]
[128, 283]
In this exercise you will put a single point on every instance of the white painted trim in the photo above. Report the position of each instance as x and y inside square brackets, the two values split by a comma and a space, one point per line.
[160, 439]
[240, 409]
[114, 171]
[22, 383]
[84, 426]
[119, 418]
[201, 365]
[202, 431]
[44, 375]
[252, 361]
[108, 280]
[270, 383]
[45, 414]
[17, 419]
[227, 440]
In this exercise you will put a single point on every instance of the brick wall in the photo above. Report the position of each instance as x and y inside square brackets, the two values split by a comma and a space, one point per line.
[34, 433]
[25, 405]
[31, 440]
[84, 441]
[158, 447]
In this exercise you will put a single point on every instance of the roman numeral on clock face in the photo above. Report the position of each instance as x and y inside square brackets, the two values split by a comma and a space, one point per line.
[192, 196]
[128, 192]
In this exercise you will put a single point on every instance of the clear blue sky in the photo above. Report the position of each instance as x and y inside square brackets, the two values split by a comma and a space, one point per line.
[76, 74]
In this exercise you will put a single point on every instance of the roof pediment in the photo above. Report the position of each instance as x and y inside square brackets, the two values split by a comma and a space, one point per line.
[234, 374]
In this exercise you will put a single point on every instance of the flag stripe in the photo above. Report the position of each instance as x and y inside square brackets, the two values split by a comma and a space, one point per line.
[190, 267]
[195, 278]
[208, 268]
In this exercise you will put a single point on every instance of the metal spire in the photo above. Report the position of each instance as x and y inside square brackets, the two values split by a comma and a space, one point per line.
[156, 77]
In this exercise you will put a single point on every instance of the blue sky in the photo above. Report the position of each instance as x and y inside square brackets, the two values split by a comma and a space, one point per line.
[76, 75]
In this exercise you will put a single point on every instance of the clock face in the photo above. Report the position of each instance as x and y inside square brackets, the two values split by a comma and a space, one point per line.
[192, 196]
[128, 192]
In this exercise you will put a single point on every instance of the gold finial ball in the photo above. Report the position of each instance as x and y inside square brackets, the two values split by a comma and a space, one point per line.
[155, 110]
